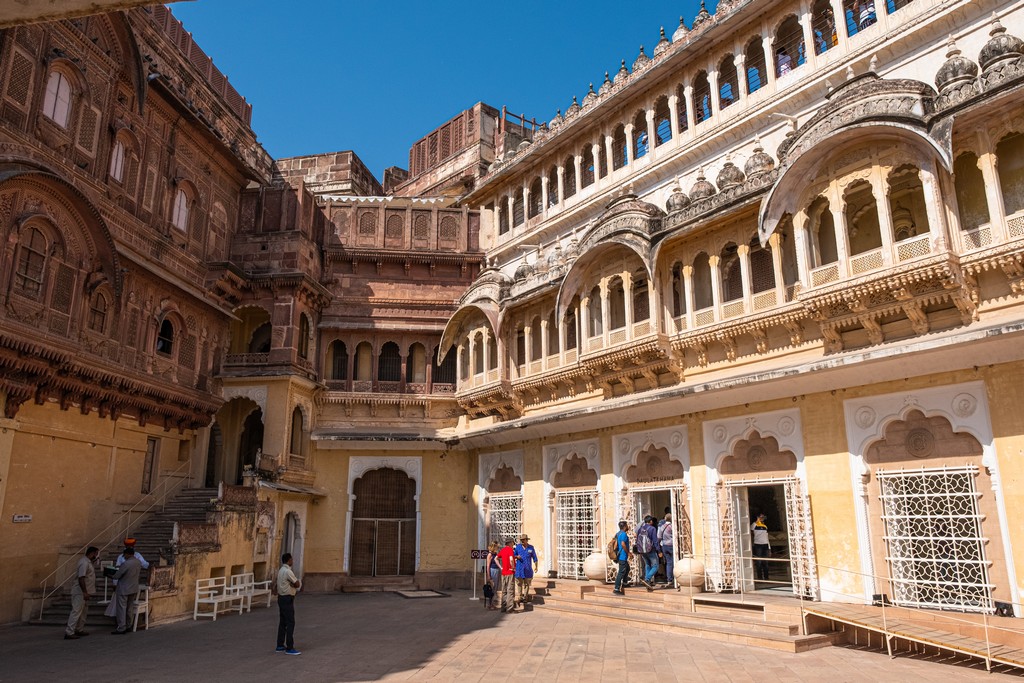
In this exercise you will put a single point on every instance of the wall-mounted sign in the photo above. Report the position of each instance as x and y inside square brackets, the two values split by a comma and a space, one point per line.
[21, 519]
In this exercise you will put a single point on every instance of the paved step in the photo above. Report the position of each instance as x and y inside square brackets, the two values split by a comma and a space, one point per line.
[377, 584]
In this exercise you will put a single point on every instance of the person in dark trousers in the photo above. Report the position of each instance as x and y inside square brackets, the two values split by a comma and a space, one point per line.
[762, 547]
[287, 586]
[127, 578]
[622, 541]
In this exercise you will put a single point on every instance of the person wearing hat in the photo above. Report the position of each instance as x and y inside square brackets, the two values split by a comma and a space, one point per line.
[111, 610]
[127, 578]
[526, 565]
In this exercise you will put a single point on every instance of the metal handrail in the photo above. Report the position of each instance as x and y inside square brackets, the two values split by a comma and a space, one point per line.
[882, 603]
[116, 524]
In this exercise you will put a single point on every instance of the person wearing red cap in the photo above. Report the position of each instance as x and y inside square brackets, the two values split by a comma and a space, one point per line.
[111, 610]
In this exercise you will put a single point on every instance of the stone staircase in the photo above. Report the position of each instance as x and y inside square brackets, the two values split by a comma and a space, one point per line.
[377, 584]
[769, 624]
[152, 538]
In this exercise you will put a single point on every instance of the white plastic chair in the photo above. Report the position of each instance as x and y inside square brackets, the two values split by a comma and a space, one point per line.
[141, 606]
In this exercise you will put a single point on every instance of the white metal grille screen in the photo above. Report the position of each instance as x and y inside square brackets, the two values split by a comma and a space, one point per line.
[801, 540]
[933, 539]
[719, 540]
[506, 517]
[575, 530]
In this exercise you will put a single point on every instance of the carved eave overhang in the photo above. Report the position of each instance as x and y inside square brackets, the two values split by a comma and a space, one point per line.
[225, 284]
[349, 400]
[482, 299]
[627, 364]
[728, 16]
[373, 255]
[30, 370]
[789, 316]
[299, 284]
[496, 399]
[904, 291]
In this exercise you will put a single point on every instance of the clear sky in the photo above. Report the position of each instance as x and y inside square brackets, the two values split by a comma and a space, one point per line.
[374, 77]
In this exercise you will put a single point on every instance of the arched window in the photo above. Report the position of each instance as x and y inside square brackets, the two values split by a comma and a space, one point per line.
[732, 275]
[338, 360]
[641, 143]
[859, 15]
[790, 51]
[571, 325]
[165, 338]
[389, 365]
[701, 97]
[616, 304]
[594, 313]
[892, 6]
[180, 215]
[662, 121]
[295, 443]
[619, 147]
[907, 203]
[823, 232]
[1010, 155]
[552, 186]
[728, 90]
[363, 363]
[478, 353]
[681, 105]
[443, 372]
[762, 268]
[260, 340]
[587, 167]
[536, 339]
[702, 292]
[28, 278]
[536, 198]
[57, 101]
[641, 300]
[569, 176]
[117, 157]
[678, 291]
[518, 210]
[416, 364]
[552, 335]
[98, 307]
[521, 348]
[757, 74]
[862, 228]
[303, 340]
[969, 184]
[502, 210]
[823, 26]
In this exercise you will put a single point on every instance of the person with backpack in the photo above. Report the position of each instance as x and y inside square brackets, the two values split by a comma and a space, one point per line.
[622, 557]
[648, 548]
[666, 537]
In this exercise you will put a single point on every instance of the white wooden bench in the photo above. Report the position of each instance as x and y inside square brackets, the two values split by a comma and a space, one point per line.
[214, 592]
[248, 588]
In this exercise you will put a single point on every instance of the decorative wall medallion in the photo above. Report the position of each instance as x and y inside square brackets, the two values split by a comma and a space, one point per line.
[756, 457]
[576, 474]
[624, 446]
[920, 442]
[864, 417]
[787, 425]
[676, 440]
[964, 405]
[653, 468]
[592, 450]
[719, 434]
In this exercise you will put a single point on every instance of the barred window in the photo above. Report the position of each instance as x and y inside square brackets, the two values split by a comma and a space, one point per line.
[28, 278]
[165, 338]
[179, 217]
[57, 101]
[117, 161]
[98, 313]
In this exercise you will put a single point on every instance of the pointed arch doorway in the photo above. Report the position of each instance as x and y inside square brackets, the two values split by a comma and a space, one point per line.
[384, 524]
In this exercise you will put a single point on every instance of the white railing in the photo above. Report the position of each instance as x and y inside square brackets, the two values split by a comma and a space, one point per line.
[913, 248]
[705, 316]
[595, 343]
[824, 275]
[641, 329]
[1015, 225]
[866, 262]
[119, 529]
[765, 300]
[617, 336]
[977, 238]
[571, 355]
[732, 309]
[680, 322]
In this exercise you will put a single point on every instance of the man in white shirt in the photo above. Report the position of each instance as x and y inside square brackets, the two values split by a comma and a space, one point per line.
[81, 589]
[287, 586]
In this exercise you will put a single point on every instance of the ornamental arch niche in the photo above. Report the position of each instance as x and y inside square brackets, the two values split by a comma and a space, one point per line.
[572, 527]
[239, 423]
[932, 515]
[384, 523]
[503, 506]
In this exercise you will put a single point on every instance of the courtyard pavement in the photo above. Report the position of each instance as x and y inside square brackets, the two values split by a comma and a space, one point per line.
[384, 637]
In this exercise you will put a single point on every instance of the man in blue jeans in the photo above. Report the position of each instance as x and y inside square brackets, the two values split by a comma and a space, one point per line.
[622, 541]
[648, 547]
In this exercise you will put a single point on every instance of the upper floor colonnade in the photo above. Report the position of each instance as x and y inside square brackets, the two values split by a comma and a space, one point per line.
[749, 63]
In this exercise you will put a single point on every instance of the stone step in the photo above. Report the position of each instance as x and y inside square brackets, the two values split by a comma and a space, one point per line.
[740, 633]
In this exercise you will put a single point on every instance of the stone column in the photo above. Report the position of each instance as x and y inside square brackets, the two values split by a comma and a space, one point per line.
[839, 17]
[511, 212]
[528, 334]
[526, 203]
[688, 295]
[581, 343]
[837, 205]
[402, 373]
[655, 310]
[880, 188]
[458, 366]
[988, 164]
[775, 243]
[716, 94]
[629, 144]
[769, 56]
[688, 95]
[605, 308]
[577, 161]
[803, 245]
[743, 251]
[561, 184]
[673, 114]
[608, 157]
[805, 23]
[716, 285]
[651, 131]
[627, 296]
[544, 350]
[596, 151]
[561, 338]
[740, 61]
[544, 194]
[934, 204]
[486, 350]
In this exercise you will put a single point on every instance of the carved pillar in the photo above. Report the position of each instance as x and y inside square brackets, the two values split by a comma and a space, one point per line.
[839, 19]
[805, 24]
[688, 95]
[988, 164]
[605, 308]
[880, 188]
[511, 212]
[350, 369]
[561, 338]
[769, 59]
[629, 144]
[458, 367]
[934, 204]
[544, 194]
[716, 285]
[688, 295]
[577, 161]
[584, 324]
[526, 203]
[651, 131]
[486, 350]
[837, 205]
[673, 114]
[655, 311]
[528, 334]
[560, 171]
[716, 94]
[596, 151]
[544, 350]
[775, 244]
[803, 245]
[607, 157]
[627, 296]
[743, 251]
[401, 373]
[740, 61]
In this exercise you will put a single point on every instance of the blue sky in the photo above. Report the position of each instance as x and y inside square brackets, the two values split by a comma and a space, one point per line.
[375, 77]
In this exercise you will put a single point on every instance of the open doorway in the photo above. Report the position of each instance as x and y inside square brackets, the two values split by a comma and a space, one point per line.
[761, 568]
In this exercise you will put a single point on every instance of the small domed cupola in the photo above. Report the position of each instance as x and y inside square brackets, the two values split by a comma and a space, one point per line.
[759, 163]
[663, 43]
[730, 176]
[1001, 47]
[681, 32]
[623, 72]
[606, 86]
[642, 60]
[677, 201]
[589, 98]
[702, 188]
[956, 70]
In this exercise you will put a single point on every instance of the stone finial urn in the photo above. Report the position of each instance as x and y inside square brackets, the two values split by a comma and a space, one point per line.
[689, 574]
[596, 565]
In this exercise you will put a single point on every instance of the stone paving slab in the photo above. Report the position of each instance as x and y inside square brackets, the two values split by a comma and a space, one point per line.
[383, 637]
